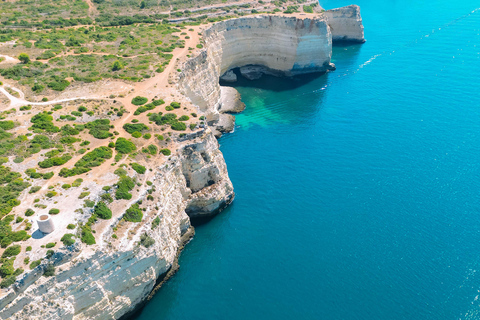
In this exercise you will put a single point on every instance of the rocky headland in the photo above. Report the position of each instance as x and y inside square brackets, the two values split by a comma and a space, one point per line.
[111, 278]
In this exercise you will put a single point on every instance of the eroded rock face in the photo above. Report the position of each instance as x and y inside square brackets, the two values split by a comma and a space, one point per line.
[105, 281]
[283, 45]
[346, 24]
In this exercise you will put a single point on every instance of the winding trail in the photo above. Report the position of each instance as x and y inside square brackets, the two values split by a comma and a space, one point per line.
[18, 102]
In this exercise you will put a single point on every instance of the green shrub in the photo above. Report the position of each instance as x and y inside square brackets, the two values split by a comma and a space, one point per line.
[67, 239]
[99, 129]
[183, 118]
[175, 105]
[50, 245]
[133, 214]
[66, 186]
[11, 251]
[83, 194]
[19, 235]
[169, 108]
[7, 282]
[155, 222]
[49, 270]
[71, 226]
[124, 185]
[146, 240]
[58, 85]
[165, 152]
[89, 203]
[72, 172]
[29, 248]
[54, 211]
[147, 136]
[7, 125]
[136, 134]
[7, 269]
[35, 264]
[138, 168]
[47, 175]
[77, 182]
[102, 211]
[43, 121]
[151, 149]
[124, 146]
[51, 194]
[178, 126]
[307, 9]
[158, 102]
[69, 140]
[134, 127]
[24, 58]
[106, 197]
[29, 212]
[117, 65]
[95, 157]
[139, 100]
[54, 161]
[87, 236]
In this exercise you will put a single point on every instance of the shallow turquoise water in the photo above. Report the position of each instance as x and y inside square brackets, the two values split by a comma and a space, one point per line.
[357, 192]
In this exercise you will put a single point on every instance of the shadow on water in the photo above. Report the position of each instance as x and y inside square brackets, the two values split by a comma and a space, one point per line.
[271, 100]
[346, 54]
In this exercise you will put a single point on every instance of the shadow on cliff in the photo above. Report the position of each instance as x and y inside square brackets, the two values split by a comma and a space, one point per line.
[268, 82]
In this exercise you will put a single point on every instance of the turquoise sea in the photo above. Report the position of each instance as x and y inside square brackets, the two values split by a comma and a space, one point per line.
[358, 191]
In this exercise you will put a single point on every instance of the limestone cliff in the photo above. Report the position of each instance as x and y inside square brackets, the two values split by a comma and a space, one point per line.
[107, 281]
[345, 24]
[283, 45]
[280, 45]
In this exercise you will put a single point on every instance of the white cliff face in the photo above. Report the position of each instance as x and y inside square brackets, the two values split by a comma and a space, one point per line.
[279, 45]
[106, 281]
[109, 279]
[346, 24]
[283, 45]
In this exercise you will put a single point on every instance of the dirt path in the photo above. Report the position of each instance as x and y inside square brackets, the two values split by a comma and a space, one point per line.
[18, 102]
[91, 7]
[8, 59]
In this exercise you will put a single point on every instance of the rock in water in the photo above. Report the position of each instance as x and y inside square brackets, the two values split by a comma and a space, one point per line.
[252, 72]
[229, 76]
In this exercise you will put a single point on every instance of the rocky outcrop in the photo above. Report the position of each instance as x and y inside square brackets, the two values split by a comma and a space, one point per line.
[229, 76]
[345, 24]
[106, 281]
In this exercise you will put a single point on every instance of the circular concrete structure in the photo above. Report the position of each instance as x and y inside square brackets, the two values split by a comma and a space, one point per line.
[45, 223]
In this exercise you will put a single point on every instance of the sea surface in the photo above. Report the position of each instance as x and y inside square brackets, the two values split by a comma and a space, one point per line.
[357, 191]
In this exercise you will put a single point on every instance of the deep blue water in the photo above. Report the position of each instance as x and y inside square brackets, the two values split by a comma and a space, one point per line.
[357, 192]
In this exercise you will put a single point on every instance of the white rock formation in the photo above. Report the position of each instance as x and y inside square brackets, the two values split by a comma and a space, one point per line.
[278, 45]
[106, 281]
[283, 45]
[345, 24]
